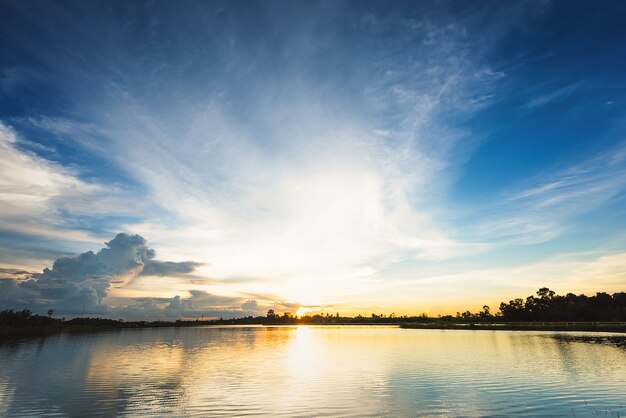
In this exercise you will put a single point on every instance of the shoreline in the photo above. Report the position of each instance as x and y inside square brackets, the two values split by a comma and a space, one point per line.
[18, 333]
[617, 327]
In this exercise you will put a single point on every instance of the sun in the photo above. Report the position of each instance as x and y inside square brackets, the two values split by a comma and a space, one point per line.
[301, 311]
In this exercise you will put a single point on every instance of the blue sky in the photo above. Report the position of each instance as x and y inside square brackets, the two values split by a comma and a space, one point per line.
[315, 156]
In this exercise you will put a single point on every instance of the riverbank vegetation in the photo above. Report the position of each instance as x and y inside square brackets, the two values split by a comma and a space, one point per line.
[544, 306]
[544, 310]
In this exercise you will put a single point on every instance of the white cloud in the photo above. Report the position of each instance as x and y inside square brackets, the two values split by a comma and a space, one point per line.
[80, 283]
[315, 183]
[288, 179]
[323, 203]
[42, 198]
[29, 185]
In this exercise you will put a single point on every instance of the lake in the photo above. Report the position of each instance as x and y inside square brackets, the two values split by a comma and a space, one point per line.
[310, 371]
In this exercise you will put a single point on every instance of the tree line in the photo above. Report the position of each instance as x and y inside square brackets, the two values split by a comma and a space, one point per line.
[544, 306]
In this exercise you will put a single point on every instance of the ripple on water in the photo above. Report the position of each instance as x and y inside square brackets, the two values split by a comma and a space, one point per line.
[310, 371]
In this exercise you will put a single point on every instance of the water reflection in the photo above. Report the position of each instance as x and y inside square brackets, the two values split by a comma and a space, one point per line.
[304, 371]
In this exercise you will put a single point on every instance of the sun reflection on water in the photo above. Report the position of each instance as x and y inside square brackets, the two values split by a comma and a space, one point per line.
[309, 370]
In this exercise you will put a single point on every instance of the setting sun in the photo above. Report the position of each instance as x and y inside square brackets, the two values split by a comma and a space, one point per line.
[301, 311]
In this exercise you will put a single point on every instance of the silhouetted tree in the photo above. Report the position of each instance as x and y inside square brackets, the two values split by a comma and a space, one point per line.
[485, 313]
[548, 306]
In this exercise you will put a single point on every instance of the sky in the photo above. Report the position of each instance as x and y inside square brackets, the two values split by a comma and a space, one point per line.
[161, 159]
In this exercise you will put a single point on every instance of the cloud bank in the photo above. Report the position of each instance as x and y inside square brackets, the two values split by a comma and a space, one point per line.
[79, 284]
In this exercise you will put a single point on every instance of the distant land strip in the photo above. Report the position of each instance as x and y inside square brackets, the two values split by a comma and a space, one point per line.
[523, 326]
[545, 311]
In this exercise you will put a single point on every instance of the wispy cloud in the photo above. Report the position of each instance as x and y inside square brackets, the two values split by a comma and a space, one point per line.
[307, 187]
[543, 211]
[30, 184]
[312, 155]
[555, 95]
[45, 198]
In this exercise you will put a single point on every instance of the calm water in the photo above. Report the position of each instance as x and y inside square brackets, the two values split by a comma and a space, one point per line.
[310, 371]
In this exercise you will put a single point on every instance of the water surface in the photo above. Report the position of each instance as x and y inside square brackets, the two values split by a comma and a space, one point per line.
[310, 371]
